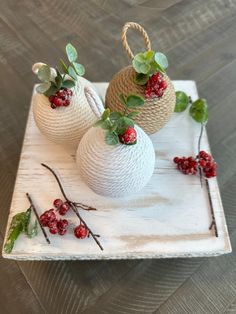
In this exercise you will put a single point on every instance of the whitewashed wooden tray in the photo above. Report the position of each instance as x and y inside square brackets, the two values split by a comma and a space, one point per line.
[170, 217]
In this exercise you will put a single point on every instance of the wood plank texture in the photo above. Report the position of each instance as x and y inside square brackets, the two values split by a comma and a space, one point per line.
[199, 39]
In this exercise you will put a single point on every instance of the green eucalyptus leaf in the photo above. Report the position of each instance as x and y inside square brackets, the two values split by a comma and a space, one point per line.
[115, 116]
[182, 101]
[133, 114]
[44, 73]
[58, 81]
[105, 125]
[123, 99]
[111, 138]
[139, 57]
[106, 114]
[51, 91]
[148, 55]
[68, 84]
[137, 65]
[161, 60]
[43, 87]
[134, 101]
[123, 123]
[71, 53]
[141, 79]
[63, 66]
[113, 127]
[144, 68]
[72, 73]
[199, 110]
[79, 68]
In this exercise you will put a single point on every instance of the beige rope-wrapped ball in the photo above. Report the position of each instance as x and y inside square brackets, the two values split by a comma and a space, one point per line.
[115, 171]
[156, 112]
[65, 125]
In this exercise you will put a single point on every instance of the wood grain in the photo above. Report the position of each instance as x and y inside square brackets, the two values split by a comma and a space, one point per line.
[192, 33]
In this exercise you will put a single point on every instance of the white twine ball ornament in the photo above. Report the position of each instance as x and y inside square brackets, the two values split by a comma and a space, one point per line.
[114, 171]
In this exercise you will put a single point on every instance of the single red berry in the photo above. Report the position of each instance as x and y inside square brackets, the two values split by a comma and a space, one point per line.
[57, 102]
[52, 224]
[51, 98]
[53, 230]
[62, 224]
[57, 202]
[163, 85]
[64, 208]
[62, 231]
[53, 106]
[176, 160]
[129, 137]
[81, 232]
[66, 102]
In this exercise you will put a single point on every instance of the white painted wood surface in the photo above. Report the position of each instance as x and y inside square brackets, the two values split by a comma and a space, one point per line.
[170, 217]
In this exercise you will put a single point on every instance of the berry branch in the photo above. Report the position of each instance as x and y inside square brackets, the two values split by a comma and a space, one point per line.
[87, 231]
[37, 216]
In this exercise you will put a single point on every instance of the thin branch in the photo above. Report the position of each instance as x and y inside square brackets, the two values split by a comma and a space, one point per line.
[73, 205]
[37, 216]
[213, 223]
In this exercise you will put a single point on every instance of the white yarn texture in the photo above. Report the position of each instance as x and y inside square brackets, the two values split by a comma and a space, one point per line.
[65, 125]
[115, 171]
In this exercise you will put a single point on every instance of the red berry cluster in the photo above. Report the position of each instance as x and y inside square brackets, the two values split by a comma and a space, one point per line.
[49, 219]
[155, 86]
[61, 98]
[189, 165]
[207, 163]
[55, 225]
[129, 137]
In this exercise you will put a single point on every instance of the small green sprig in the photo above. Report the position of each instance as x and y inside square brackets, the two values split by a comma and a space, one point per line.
[115, 123]
[20, 223]
[147, 63]
[198, 109]
[50, 84]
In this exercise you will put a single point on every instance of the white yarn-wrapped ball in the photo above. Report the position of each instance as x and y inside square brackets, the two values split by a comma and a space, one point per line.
[115, 171]
[65, 125]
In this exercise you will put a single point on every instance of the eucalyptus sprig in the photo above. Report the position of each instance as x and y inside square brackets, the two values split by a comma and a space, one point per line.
[51, 83]
[115, 123]
[147, 63]
[198, 110]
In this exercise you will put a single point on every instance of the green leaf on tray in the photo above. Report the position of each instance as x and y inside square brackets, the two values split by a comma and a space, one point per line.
[199, 110]
[58, 81]
[43, 87]
[134, 101]
[111, 138]
[20, 223]
[182, 101]
[71, 53]
[44, 73]
[63, 66]
[79, 68]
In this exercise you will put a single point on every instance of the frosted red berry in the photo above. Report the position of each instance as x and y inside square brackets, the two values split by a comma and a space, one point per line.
[62, 224]
[61, 98]
[53, 230]
[155, 86]
[64, 208]
[81, 232]
[57, 203]
[129, 137]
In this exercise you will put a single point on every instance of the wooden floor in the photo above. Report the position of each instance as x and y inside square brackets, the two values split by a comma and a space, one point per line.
[199, 38]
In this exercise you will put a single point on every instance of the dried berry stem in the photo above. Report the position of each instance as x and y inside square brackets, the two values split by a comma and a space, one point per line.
[213, 223]
[37, 216]
[199, 148]
[74, 206]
